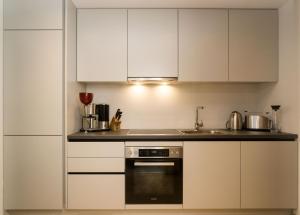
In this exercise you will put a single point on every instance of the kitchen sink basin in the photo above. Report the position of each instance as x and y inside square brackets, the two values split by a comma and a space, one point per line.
[202, 131]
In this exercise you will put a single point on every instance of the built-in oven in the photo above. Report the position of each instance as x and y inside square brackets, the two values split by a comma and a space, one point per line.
[153, 175]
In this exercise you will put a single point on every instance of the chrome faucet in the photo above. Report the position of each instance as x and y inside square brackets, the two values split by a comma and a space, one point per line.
[198, 125]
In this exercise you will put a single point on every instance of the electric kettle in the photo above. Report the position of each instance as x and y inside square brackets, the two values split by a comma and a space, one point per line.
[235, 121]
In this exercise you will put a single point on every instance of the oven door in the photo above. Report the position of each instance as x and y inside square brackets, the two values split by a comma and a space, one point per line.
[154, 181]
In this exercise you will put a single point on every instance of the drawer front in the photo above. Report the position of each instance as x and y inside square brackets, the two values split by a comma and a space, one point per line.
[96, 149]
[96, 165]
[96, 192]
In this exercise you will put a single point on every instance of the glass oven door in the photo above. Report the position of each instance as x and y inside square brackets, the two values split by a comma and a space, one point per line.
[154, 181]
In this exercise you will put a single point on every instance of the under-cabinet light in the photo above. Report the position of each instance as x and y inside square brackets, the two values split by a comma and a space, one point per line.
[163, 81]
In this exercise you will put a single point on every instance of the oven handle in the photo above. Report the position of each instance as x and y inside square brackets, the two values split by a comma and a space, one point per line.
[154, 164]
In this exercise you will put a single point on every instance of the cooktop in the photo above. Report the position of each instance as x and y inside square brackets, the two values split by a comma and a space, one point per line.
[153, 132]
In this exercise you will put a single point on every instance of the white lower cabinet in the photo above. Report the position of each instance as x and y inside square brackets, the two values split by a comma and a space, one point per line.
[33, 172]
[103, 191]
[211, 175]
[96, 150]
[269, 174]
[96, 178]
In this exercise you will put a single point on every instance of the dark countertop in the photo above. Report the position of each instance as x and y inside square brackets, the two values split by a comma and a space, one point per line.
[175, 135]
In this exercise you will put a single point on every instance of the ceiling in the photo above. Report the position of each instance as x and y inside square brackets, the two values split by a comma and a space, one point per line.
[179, 3]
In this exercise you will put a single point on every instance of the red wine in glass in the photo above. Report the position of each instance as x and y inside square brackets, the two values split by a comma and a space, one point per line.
[86, 98]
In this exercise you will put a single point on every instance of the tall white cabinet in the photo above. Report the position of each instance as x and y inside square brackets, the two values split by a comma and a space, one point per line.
[33, 104]
[33, 14]
[152, 43]
[33, 167]
[203, 45]
[33, 82]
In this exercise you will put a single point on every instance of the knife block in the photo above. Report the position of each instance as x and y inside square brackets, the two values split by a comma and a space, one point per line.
[115, 125]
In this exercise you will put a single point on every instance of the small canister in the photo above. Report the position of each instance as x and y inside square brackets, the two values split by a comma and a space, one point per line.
[257, 121]
[102, 110]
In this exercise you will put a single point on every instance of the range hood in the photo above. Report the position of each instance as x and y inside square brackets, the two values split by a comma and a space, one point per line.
[152, 80]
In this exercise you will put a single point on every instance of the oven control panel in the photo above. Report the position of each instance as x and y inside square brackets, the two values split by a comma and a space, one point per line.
[153, 152]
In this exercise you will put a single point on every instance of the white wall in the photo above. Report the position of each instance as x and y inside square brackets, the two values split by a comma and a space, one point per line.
[1, 106]
[72, 87]
[298, 90]
[285, 92]
[173, 106]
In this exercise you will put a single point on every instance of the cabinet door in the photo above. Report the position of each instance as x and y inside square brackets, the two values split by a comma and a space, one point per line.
[96, 149]
[253, 45]
[211, 175]
[96, 191]
[203, 45]
[33, 172]
[33, 14]
[152, 43]
[102, 45]
[33, 82]
[269, 175]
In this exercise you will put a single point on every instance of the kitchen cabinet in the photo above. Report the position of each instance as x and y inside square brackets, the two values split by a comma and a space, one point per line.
[96, 149]
[33, 14]
[152, 43]
[96, 175]
[33, 80]
[203, 45]
[33, 172]
[96, 164]
[101, 191]
[101, 45]
[253, 45]
[269, 174]
[211, 175]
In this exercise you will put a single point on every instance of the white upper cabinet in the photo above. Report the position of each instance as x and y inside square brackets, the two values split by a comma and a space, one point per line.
[253, 45]
[102, 45]
[33, 14]
[203, 45]
[152, 43]
[33, 82]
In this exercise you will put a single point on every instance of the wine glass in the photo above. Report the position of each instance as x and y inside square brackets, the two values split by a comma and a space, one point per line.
[86, 99]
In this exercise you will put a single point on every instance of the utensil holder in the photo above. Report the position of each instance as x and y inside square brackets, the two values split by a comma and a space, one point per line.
[115, 125]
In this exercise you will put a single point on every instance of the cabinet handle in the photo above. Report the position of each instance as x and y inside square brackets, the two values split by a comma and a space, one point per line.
[154, 164]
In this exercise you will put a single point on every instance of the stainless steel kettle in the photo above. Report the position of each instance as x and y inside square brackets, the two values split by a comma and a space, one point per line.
[235, 121]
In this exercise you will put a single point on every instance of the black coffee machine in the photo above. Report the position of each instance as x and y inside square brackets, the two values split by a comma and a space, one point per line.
[102, 110]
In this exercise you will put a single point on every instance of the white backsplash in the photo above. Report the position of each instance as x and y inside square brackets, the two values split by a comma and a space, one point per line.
[173, 106]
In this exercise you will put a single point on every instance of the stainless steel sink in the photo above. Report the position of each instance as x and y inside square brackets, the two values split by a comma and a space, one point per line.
[202, 131]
